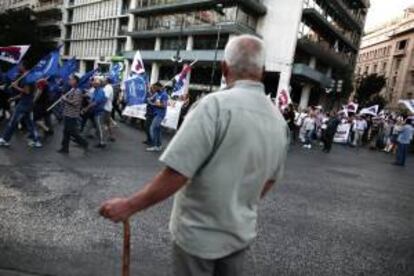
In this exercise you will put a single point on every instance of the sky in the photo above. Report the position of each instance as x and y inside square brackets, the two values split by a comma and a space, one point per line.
[382, 11]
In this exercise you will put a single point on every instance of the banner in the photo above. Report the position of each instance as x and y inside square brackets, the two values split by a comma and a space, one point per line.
[69, 67]
[170, 120]
[13, 54]
[115, 73]
[342, 133]
[135, 90]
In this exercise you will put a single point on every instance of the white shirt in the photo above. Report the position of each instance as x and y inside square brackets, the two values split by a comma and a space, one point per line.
[109, 94]
[360, 125]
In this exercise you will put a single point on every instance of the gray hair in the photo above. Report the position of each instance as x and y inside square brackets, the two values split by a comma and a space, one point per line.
[245, 55]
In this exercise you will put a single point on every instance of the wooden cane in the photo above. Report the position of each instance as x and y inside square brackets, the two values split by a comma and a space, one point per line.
[127, 249]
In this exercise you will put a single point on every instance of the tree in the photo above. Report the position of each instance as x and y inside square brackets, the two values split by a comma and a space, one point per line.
[20, 28]
[368, 90]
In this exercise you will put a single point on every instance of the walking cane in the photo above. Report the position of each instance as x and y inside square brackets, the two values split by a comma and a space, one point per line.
[127, 249]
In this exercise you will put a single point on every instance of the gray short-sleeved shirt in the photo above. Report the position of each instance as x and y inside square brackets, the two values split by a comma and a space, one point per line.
[230, 144]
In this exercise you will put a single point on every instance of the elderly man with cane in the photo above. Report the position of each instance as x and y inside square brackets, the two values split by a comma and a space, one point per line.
[229, 152]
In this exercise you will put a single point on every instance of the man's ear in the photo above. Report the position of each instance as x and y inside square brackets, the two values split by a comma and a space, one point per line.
[224, 69]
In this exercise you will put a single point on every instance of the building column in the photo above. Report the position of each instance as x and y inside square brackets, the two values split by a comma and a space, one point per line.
[155, 73]
[304, 97]
[306, 90]
[129, 45]
[82, 67]
[157, 44]
[190, 43]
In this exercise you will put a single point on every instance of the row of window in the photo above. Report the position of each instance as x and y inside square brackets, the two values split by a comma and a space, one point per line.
[104, 9]
[93, 48]
[375, 54]
[200, 42]
[375, 68]
[96, 29]
[195, 18]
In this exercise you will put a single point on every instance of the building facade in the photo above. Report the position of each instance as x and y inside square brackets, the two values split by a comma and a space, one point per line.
[48, 16]
[389, 51]
[95, 30]
[328, 41]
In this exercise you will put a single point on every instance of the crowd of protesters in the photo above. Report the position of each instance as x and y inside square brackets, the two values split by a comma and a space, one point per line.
[389, 132]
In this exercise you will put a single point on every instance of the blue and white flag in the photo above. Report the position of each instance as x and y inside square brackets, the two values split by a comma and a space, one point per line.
[115, 72]
[135, 90]
[46, 67]
[69, 67]
[372, 110]
[181, 82]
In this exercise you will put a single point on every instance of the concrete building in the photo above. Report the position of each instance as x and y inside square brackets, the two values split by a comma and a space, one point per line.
[315, 40]
[47, 13]
[389, 51]
[95, 30]
[194, 29]
[328, 41]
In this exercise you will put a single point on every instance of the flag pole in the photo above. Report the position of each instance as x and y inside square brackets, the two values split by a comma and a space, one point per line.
[126, 254]
[191, 65]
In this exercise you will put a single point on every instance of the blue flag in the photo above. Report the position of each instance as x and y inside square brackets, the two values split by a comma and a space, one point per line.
[136, 90]
[115, 73]
[13, 73]
[46, 67]
[84, 80]
[69, 67]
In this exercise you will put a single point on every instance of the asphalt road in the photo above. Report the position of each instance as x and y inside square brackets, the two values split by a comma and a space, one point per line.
[346, 213]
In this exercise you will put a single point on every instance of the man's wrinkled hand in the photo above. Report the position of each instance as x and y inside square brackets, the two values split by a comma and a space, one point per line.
[117, 209]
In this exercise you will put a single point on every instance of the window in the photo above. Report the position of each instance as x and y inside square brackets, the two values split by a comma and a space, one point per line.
[374, 71]
[402, 44]
[172, 43]
[144, 44]
[384, 67]
[206, 42]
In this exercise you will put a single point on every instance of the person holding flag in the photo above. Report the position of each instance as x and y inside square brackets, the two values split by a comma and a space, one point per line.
[159, 102]
[23, 110]
[72, 102]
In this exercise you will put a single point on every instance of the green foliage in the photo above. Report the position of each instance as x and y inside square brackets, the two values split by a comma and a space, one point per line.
[368, 91]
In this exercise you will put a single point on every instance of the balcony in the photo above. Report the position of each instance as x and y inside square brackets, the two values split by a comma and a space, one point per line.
[225, 28]
[345, 14]
[400, 52]
[256, 7]
[314, 18]
[47, 5]
[166, 55]
[324, 52]
[304, 71]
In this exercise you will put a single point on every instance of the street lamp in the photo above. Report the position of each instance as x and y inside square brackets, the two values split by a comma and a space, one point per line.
[219, 8]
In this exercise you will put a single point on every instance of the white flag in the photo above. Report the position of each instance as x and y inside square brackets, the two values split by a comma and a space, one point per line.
[372, 110]
[138, 65]
[13, 54]
[409, 104]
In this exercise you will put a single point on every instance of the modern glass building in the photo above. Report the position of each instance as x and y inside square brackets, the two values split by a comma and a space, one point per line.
[328, 41]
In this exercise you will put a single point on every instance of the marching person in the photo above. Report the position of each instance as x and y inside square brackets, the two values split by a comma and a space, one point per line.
[359, 126]
[72, 103]
[309, 127]
[149, 113]
[220, 181]
[108, 107]
[41, 104]
[159, 102]
[329, 133]
[23, 111]
[404, 139]
[96, 107]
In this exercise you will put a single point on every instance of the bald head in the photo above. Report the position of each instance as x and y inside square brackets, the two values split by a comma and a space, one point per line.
[244, 58]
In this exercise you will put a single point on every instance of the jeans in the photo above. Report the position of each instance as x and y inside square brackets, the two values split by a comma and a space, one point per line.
[308, 137]
[401, 154]
[19, 114]
[155, 131]
[97, 119]
[147, 127]
[71, 129]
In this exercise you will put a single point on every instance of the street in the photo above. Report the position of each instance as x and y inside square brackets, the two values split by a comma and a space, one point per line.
[347, 213]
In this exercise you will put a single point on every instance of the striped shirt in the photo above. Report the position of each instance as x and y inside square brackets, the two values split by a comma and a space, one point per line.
[72, 103]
